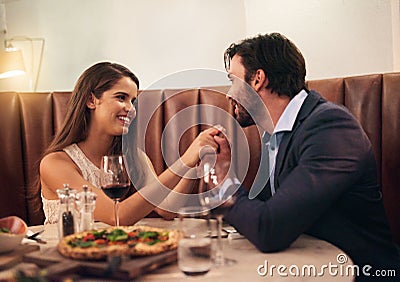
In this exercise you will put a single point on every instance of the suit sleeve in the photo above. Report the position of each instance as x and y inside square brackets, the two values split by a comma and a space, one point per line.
[324, 159]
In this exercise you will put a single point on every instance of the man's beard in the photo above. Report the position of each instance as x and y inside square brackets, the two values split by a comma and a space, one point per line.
[243, 117]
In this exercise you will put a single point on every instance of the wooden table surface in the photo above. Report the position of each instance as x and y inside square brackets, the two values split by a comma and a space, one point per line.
[308, 259]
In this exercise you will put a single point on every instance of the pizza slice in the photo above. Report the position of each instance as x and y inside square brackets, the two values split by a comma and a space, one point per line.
[122, 240]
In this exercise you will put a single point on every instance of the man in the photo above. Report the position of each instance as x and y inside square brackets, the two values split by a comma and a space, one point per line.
[323, 172]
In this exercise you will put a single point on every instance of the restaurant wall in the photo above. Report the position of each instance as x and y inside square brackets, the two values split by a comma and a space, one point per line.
[336, 37]
[153, 37]
[156, 38]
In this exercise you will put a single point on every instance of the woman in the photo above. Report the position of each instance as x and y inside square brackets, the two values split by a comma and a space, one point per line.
[99, 112]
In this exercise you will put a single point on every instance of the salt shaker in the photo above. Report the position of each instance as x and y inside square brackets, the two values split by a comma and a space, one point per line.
[67, 215]
[86, 202]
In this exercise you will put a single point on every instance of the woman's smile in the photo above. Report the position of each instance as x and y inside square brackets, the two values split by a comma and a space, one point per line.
[124, 119]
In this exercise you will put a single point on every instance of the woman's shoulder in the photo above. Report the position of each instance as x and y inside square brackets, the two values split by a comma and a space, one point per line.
[58, 155]
[55, 159]
[55, 166]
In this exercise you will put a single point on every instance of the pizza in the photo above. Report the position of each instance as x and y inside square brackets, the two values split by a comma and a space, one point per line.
[121, 240]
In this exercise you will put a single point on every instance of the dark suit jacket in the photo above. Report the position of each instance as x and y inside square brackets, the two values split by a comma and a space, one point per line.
[326, 186]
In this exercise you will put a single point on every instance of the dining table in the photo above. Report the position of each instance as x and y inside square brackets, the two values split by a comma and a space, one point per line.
[307, 259]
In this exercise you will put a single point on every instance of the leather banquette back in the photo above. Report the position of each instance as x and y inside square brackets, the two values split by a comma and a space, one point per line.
[30, 120]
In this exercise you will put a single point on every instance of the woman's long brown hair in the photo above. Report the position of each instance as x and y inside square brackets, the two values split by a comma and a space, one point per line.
[95, 80]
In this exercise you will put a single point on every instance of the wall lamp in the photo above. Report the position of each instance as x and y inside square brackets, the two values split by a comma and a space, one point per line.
[12, 62]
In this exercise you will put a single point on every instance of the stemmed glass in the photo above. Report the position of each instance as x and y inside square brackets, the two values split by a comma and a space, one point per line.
[114, 180]
[217, 199]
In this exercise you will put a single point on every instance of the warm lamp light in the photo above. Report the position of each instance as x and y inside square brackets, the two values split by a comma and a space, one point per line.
[11, 63]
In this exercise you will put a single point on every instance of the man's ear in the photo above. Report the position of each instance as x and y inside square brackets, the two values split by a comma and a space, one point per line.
[90, 103]
[259, 80]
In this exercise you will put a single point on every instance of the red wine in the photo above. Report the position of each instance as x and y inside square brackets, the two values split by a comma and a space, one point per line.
[195, 273]
[115, 191]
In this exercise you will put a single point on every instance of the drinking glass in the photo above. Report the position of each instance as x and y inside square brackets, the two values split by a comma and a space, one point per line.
[217, 200]
[114, 180]
[194, 249]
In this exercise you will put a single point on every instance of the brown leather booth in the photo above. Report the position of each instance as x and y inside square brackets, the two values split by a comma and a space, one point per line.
[29, 121]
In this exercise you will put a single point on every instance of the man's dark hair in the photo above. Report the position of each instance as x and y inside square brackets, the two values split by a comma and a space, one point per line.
[277, 56]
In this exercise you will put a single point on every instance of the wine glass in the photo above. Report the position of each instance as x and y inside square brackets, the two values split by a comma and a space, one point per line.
[218, 199]
[114, 180]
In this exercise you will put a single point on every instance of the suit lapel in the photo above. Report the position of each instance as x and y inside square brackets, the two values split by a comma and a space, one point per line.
[312, 100]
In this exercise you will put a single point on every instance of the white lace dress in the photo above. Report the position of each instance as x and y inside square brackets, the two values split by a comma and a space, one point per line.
[90, 172]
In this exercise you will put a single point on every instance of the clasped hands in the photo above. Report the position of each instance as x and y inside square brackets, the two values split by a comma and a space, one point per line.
[210, 146]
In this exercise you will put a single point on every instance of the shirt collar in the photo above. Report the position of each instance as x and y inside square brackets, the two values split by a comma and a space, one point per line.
[289, 115]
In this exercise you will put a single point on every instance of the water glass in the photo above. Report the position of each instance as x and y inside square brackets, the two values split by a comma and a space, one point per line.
[194, 249]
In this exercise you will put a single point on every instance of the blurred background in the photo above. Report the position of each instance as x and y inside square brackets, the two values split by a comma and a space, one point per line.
[156, 38]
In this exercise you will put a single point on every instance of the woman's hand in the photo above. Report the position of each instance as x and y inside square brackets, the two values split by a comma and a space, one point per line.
[203, 144]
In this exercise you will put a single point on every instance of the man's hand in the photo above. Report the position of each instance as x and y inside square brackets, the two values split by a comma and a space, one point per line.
[203, 144]
[223, 156]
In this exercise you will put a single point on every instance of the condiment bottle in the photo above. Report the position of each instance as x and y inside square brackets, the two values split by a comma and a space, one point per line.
[67, 215]
[86, 202]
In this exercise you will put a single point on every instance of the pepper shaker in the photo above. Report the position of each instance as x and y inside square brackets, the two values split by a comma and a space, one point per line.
[67, 214]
